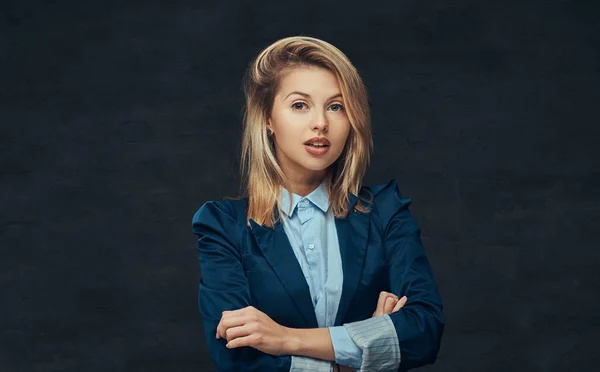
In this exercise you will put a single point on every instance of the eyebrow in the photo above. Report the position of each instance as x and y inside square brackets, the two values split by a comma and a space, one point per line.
[308, 95]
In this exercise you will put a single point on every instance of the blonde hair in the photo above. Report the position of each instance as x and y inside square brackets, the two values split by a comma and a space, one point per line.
[262, 175]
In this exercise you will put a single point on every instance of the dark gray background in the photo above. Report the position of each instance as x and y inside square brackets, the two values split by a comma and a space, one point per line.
[120, 118]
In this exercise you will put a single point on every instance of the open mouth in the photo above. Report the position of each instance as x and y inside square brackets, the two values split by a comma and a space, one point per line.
[316, 150]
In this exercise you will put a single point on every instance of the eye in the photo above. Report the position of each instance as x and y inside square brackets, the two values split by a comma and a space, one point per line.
[338, 106]
[298, 105]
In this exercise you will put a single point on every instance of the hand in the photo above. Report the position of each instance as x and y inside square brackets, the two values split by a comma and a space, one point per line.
[251, 327]
[388, 303]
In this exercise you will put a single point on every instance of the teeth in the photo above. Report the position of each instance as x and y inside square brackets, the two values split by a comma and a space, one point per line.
[317, 144]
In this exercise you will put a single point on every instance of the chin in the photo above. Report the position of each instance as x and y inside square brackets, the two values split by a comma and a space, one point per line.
[317, 164]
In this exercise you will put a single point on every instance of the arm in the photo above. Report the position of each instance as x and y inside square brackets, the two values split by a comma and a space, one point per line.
[420, 323]
[224, 296]
[251, 327]
[311, 349]
[347, 352]
[410, 337]
[224, 287]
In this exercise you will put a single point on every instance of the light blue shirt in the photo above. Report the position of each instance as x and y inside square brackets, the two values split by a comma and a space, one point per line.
[310, 227]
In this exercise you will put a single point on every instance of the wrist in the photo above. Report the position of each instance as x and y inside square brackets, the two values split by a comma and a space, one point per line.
[313, 343]
[292, 342]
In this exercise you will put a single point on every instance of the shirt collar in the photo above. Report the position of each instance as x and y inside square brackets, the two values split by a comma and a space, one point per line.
[318, 197]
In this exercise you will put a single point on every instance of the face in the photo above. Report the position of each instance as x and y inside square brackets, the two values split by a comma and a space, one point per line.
[308, 104]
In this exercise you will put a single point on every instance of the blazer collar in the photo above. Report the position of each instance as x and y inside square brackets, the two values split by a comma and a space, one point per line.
[353, 231]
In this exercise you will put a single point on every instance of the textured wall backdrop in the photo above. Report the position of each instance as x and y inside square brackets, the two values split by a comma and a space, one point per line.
[120, 118]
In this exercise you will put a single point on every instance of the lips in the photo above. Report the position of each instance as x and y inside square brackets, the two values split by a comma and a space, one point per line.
[321, 140]
[316, 151]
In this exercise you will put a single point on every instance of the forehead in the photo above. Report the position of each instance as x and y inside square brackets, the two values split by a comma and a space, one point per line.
[315, 81]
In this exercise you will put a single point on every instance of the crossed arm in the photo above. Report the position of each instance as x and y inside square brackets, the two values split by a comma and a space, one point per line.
[418, 327]
[251, 327]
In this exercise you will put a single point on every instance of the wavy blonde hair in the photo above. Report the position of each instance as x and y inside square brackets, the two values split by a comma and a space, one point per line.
[262, 175]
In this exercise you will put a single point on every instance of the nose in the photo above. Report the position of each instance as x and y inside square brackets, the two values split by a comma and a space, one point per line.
[320, 122]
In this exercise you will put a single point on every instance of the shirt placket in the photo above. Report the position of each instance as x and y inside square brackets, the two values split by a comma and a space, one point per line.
[310, 245]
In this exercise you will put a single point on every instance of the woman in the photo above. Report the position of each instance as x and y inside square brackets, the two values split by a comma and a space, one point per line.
[310, 271]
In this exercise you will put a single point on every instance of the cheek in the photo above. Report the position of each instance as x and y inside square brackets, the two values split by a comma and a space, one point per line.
[342, 132]
[289, 125]
[287, 137]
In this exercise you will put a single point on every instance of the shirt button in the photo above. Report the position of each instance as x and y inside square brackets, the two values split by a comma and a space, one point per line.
[311, 246]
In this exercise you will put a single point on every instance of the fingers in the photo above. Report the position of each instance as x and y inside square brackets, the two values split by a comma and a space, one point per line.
[236, 332]
[400, 304]
[233, 318]
[382, 301]
[220, 330]
[389, 305]
[249, 340]
[218, 333]
[389, 294]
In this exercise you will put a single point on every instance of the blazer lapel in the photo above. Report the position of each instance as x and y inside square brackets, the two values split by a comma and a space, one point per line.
[353, 235]
[276, 248]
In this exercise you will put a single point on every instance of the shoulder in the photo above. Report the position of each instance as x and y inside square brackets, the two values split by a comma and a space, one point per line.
[389, 204]
[387, 193]
[219, 213]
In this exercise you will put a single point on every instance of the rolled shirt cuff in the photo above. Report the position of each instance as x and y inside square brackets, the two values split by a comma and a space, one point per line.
[306, 364]
[378, 340]
[347, 353]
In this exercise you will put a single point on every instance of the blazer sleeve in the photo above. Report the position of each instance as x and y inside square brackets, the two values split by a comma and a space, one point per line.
[420, 323]
[410, 337]
[224, 286]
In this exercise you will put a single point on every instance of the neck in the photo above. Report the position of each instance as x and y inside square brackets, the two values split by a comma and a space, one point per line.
[304, 185]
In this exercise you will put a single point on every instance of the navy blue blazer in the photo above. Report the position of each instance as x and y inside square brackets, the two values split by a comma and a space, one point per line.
[381, 251]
